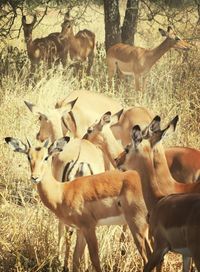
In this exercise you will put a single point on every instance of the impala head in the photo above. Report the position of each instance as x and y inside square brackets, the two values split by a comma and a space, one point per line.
[66, 27]
[97, 130]
[154, 134]
[178, 42]
[51, 125]
[28, 28]
[37, 156]
[101, 134]
[143, 142]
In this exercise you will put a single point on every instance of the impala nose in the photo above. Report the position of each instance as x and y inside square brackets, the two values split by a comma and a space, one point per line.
[35, 180]
[39, 137]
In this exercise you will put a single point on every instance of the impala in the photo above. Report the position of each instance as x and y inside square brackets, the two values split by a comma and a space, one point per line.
[161, 184]
[79, 157]
[137, 61]
[75, 113]
[112, 197]
[47, 49]
[81, 45]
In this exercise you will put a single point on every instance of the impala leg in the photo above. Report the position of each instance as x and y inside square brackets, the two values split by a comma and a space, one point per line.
[137, 82]
[197, 262]
[144, 81]
[187, 264]
[91, 239]
[90, 62]
[79, 249]
[63, 244]
[61, 241]
[122, 240]
[111, 71]
[139, 235]
[156, 258]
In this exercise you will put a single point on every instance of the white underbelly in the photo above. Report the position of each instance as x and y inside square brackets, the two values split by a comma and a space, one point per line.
[127, 73]
[114, 220]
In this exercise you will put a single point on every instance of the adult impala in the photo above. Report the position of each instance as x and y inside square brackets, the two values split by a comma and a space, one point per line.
[75, 113]
[109, 198]
[48, 49]
[137, 61]
[80, 157]
[161, 184]
[81, 45]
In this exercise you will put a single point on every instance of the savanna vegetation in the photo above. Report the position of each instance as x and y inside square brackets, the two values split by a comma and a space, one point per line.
[28, 232]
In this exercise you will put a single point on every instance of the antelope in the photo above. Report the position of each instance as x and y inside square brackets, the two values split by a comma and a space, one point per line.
[112, 197]
[65, 167]
[81, 45]
[47, 49]
[75, 113]
[137, 61]
[164, 185]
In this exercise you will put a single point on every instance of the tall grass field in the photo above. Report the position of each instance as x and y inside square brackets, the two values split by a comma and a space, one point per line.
[28, 231]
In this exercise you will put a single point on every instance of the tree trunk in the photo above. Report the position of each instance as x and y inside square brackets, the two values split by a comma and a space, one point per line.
[130, 22]
[112, 23]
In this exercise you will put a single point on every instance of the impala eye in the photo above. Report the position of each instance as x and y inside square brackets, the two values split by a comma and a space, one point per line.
[89, 130]
[46, 158]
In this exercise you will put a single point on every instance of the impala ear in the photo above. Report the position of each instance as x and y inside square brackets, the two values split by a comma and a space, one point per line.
[16, 145]
[23, 19]
[162, 32]
[137, 135]
[68, 105]
[153, 127]
[35, 109]
[34, 19]
[67, 16]
[169, 29]
[115, 117]
[171, 127]
[58, 145]
[105, 119]
[46, 143]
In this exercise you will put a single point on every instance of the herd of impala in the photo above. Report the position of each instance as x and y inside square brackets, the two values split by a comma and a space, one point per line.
[122, 58]
[113, 169]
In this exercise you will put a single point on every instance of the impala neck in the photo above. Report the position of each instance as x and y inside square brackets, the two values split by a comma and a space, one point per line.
[56, 132]
[164, 178]
[28, 40]
[156, 53]
[50, 190]
[112, 147]
[150, 188]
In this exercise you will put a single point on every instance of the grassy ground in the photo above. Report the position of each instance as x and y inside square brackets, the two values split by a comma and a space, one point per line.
[28, 233]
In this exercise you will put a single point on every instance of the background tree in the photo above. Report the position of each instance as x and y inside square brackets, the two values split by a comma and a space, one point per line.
[145, 10]
[113, 32]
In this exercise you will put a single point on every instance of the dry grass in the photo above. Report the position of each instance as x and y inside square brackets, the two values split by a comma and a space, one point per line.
[28, 233]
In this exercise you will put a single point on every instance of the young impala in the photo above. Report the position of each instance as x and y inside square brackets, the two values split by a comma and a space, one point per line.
[137, 61]
[112, 197]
